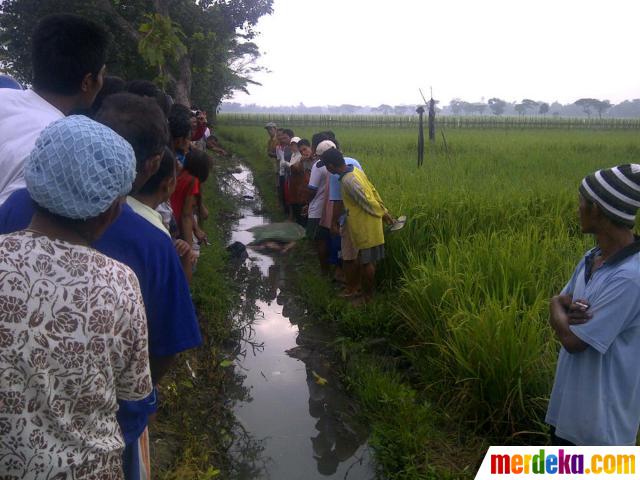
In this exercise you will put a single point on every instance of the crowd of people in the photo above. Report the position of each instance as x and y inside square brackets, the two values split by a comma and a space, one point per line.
[330, 195]
[101, 213]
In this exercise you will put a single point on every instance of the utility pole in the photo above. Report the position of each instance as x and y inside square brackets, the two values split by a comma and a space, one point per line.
[432, 118]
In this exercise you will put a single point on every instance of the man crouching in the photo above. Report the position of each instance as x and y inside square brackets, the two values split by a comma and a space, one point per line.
[365, 214]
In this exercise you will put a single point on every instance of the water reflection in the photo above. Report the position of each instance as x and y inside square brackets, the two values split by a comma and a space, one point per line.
[338, 435]
[294, 407]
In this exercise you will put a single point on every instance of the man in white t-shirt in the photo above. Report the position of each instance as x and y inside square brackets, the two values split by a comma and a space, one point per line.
[318, 191]
[68, 55]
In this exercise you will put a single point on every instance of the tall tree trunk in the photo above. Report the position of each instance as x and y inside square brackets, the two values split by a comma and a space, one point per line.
[183, 81]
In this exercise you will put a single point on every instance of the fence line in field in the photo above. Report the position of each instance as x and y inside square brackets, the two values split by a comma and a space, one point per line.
[446, 121]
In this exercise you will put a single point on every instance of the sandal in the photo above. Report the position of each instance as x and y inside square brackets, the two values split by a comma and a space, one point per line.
[348, 294]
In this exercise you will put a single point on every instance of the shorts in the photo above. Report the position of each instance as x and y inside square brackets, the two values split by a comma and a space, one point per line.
[136, 460]
[315, 231]
[349, 252]
[371, 255]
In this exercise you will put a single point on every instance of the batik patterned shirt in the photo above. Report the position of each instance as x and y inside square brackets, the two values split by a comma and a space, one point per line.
[73, 340]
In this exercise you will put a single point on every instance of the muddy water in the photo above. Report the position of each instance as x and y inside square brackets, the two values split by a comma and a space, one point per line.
[294, 418]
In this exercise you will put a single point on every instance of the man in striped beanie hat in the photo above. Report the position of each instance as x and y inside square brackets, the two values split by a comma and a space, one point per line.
[616, 192]
[595, 398]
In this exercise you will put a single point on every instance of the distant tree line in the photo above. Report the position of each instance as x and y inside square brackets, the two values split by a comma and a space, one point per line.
[583, 107]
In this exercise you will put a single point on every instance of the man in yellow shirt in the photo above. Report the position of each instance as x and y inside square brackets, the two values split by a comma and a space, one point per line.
[365, 214]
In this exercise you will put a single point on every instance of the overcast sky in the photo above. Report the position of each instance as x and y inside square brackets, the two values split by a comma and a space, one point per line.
[368, 52]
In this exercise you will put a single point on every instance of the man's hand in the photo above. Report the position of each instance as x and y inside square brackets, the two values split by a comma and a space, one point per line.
[185, 251]
[335, 229]
[201, 236]
[204, 213]
[388, 219]
[182, 247]
[578, 312]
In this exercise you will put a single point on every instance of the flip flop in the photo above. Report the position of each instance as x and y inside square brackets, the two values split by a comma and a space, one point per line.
[398, 224]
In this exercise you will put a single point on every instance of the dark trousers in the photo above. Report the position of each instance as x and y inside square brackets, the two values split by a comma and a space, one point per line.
[296, 209]
[281, 193]
[558, 441]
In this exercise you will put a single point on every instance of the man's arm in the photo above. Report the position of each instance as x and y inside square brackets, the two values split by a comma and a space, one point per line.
[560, 320]
[338, 210]
[186, 219]
[386, 217]
[314, 181]
[614, 308]
[356, 192]
[311, 193]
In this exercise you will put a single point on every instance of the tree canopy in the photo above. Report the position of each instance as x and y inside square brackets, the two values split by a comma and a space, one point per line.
[589, 104]
[200, 51]
[497, 105]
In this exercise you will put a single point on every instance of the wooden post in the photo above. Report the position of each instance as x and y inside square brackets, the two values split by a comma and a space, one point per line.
[432, 120]
[420, 111]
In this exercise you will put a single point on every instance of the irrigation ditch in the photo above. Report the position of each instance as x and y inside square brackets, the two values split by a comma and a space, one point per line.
[295, 408]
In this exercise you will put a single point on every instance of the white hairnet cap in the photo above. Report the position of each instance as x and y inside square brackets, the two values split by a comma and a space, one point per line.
[78, 167]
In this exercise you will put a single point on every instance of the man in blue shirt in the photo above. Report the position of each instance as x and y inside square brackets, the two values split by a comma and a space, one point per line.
[132, 240]
[596, 392]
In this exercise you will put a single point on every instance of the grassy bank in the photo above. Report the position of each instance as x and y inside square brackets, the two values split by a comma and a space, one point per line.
[193, 429]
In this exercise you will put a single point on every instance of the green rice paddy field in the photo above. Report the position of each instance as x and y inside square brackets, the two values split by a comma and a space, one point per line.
[492, 234]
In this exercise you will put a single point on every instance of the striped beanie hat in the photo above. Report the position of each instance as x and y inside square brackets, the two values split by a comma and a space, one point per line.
[616, 190]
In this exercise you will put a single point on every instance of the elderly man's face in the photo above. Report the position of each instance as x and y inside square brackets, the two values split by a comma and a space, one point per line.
[587, 213]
